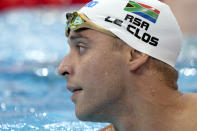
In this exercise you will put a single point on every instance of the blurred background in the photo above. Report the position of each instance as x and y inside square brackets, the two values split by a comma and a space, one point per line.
[32, 44]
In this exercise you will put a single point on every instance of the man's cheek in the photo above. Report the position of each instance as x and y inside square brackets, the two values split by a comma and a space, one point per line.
[90, 66]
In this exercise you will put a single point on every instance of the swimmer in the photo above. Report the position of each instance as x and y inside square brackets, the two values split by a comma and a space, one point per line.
[120, 67]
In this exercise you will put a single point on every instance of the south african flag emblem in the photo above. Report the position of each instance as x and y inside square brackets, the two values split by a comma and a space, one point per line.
[143, 10]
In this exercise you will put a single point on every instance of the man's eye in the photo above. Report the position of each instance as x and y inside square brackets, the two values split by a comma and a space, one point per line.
[81, 48]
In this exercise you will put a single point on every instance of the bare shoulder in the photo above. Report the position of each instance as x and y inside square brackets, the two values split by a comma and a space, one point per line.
[108, 128]
[192, 96]
[191, 99]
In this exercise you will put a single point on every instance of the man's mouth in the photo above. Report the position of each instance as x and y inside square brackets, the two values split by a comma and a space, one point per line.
[75, 91]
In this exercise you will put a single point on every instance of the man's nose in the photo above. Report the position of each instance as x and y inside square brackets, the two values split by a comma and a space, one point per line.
[65, 69]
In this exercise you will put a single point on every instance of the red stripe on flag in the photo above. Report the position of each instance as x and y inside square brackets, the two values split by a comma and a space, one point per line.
[151, 8]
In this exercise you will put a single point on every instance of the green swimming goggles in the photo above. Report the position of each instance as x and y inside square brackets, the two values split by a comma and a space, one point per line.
[77, 20]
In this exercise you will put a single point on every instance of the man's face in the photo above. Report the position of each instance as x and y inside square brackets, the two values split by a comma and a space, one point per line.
[94, 67]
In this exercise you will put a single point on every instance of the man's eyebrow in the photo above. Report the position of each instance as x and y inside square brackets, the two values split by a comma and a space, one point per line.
[77, 37]
[79, 30]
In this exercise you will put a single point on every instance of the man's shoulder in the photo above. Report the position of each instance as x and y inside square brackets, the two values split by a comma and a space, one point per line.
[108, 128]
[190, 97]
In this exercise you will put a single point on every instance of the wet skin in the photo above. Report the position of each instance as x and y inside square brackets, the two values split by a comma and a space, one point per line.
[97, 71]
[111, 85]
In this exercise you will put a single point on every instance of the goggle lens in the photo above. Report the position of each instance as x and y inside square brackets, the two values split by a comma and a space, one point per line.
[74, 21]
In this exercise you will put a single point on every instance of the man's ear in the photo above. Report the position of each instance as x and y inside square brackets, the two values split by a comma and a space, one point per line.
[137, 59]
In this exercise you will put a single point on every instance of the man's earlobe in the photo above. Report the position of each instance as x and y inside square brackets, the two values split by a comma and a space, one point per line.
[137, 60]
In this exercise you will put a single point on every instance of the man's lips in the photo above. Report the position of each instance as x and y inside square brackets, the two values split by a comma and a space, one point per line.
[74, 88]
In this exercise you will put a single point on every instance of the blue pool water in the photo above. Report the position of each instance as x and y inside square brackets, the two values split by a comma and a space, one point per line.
[32, 95]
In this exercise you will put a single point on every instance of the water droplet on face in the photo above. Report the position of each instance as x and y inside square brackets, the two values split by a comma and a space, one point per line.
[106, 73]
[153, 92]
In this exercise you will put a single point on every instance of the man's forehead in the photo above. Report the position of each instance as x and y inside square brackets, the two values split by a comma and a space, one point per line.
[89, 34]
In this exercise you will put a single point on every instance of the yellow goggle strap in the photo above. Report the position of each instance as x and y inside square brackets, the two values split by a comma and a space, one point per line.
[77, 20]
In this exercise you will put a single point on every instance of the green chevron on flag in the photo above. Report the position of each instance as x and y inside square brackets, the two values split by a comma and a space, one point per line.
[143, 10]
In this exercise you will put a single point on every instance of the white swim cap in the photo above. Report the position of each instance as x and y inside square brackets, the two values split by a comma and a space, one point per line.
[148, 26]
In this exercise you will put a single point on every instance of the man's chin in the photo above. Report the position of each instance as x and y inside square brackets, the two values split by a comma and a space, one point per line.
[83, 116]
[89, 112]
[88, 116]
